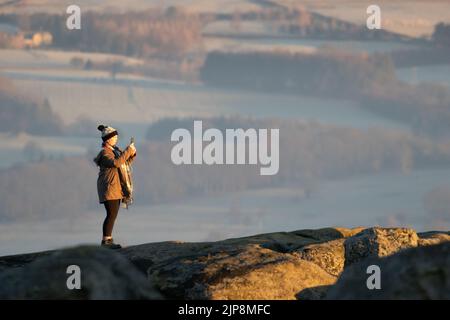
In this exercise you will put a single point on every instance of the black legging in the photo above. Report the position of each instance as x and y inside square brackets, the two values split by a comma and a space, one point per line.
[112, 209]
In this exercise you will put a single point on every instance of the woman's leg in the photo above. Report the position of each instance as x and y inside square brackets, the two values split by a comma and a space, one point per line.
[112, 209]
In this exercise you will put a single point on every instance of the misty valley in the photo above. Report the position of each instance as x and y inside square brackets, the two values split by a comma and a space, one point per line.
[336, 124]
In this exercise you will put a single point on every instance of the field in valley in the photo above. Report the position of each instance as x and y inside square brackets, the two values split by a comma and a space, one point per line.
[387, 200]
[410, 17]
[131, 102]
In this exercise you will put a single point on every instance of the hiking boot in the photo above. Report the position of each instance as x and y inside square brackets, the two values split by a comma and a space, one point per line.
[110, 244]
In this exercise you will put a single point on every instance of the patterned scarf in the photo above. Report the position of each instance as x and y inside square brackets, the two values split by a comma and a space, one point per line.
[126, 178]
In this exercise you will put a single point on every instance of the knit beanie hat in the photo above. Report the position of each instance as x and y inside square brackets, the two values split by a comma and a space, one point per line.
[107, 132]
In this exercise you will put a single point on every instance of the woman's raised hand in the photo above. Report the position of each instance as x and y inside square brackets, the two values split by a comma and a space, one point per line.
[132, 147]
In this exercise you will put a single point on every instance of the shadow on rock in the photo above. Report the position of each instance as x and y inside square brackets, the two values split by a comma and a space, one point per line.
[313, 293]
[418, 274]
[104, 275]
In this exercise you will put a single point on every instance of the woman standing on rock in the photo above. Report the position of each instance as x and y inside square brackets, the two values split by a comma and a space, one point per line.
[113, 183]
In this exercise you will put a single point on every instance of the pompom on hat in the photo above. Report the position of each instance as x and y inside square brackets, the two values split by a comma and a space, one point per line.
[107, 132]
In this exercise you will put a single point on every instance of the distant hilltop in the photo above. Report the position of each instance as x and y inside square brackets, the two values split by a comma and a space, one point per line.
[328, 263]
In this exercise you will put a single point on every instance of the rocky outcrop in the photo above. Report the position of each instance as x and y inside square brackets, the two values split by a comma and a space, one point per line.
[21, 260]
[232, 271]
[105, 275]
[378, 242]
[283, 279]
[417, 273]
[330, 255]
[432, 238]
[217, 270]
[334, 255]
[302, 264]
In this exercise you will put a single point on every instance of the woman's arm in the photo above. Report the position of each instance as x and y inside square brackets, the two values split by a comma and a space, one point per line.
[110, 161]
[131, 158]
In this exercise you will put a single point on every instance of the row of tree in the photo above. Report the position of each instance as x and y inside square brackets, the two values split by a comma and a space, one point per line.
[425, 107]
[369, 79]
[24, 113]
[435, 52]
[441, 35]
[308, 153]
[330, 72]
[169, 34]
[294, 20]
[20, 113]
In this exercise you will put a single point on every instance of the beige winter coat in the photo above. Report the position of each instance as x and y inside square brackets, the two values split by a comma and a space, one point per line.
[108, 182]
